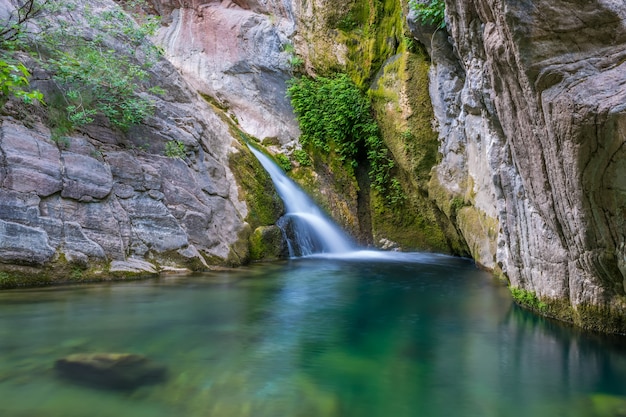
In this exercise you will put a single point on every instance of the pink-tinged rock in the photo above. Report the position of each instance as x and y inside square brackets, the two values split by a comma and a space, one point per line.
[233, 51]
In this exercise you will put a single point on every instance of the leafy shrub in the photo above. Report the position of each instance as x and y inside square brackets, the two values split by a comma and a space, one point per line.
[334, 115]
[432, 13]
[14, 78]
[91, 77]
[302, 157]
[283, 161]
[175, 149]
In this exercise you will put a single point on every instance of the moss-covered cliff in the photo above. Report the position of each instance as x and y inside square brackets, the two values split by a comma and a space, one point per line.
[369, 41]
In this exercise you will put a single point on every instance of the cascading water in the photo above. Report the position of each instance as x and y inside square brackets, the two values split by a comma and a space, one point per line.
[308, 231]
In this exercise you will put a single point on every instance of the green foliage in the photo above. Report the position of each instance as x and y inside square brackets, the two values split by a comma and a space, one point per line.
[432, 13]
[295, 61]
[335, 116]
[93, 79]
[528, 299]
[292, 57]
[283, 161]
[14, 76]
[14, 82]
[302, 157]
[456, 204]
[175, 149]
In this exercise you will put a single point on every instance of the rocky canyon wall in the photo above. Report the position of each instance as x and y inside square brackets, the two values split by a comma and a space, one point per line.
[101, 202]
[523, 167]
[530, 99]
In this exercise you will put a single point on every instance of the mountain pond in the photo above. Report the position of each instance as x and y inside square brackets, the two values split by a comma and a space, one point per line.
[365, 334]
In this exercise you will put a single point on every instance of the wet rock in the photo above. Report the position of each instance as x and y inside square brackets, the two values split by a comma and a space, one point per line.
[119, 371]
[132, 266]
[268, 242]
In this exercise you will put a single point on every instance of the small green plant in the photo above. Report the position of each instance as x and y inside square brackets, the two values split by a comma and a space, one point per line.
[76, 274]
[295, 61]
[283, 161]
[528, 299]
[62, 141]
[175, 149]
[409, 43]
[433, 13]
[302, 157]
[292, 57]
[456, 204]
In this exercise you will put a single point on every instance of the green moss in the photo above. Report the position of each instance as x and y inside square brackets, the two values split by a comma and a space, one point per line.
[610, 318]
[369, 31]
[240, 251]
[607, 318]
[264, 205]
[59, 271]
[404, 113]
[266, 243]
[528, 299]
[479, 230]
[413, 224]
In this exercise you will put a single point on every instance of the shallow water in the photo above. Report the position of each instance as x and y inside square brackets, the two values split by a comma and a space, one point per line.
[364, 335]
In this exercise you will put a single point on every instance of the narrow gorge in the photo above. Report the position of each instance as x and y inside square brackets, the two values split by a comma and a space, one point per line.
[499, 135]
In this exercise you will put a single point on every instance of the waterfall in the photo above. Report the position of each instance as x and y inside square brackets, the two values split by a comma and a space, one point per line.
[307, 230]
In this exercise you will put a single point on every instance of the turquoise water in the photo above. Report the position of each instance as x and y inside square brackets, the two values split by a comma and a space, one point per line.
[420, 335]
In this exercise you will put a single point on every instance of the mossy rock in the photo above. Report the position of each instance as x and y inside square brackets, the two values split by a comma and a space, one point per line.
[264, 205]
[355, 37]
[267, 243]
[480, 232]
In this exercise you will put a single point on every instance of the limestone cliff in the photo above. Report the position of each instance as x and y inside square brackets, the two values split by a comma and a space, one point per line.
[529, 98]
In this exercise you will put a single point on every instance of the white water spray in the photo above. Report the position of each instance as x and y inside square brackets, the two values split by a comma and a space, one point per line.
[307, 229]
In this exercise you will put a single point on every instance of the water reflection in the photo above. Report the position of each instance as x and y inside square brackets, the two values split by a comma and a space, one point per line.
[422, 335]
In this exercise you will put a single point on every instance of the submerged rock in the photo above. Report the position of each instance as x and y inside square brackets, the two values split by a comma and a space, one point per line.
[122, 371]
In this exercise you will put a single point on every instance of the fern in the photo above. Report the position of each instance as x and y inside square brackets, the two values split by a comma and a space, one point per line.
[432, 13]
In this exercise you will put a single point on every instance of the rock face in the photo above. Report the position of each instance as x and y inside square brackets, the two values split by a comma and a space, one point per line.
[530, 101]
[113, 199]
[235, 53]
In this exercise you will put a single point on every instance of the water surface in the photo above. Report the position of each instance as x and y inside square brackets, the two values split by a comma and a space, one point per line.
[365, 335]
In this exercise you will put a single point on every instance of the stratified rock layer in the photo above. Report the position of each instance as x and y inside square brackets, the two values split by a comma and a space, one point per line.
[530, 97]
